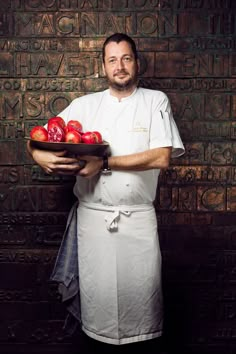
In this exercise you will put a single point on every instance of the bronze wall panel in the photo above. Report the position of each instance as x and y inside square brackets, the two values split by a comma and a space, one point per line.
[50, 53]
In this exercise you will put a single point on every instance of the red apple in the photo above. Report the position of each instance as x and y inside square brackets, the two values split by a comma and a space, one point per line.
[74, 125]
[39, 133]
[89, 138]
[73, 137]
[56, 121]
[98, 137]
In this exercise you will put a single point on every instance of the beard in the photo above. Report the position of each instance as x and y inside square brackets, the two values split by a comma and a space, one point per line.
[125, 84]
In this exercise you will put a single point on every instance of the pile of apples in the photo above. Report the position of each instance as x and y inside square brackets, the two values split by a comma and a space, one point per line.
[58, 131]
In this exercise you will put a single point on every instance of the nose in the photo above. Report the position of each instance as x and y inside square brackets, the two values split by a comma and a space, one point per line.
[120, 64]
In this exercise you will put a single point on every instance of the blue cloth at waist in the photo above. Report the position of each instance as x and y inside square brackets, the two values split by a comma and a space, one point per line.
[66, 272]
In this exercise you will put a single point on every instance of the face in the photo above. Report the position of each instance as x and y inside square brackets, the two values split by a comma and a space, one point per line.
[120, 66]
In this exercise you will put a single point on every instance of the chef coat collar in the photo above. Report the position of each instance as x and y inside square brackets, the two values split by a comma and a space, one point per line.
[115, 99]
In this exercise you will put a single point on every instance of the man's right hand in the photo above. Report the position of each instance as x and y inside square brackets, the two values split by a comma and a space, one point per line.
[55, 162]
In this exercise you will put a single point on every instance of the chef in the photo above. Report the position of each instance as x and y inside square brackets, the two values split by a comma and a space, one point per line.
[119, 259]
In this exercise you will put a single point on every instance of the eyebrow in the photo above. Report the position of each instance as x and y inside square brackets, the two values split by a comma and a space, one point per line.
[124, 55]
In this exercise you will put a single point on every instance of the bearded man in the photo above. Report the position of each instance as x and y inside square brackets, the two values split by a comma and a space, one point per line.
[119, 257]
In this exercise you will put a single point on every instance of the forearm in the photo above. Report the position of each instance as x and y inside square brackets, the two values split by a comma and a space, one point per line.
[150, 159]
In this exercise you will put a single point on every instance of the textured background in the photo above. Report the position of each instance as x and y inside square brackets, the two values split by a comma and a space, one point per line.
[50, 53]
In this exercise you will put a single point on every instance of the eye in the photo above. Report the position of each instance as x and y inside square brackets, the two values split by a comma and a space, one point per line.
[111, 60]
[127, 59]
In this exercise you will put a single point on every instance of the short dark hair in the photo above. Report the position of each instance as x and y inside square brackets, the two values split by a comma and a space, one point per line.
[119, 37]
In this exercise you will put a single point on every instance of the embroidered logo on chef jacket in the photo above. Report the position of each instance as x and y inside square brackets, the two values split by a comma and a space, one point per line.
[138, 128]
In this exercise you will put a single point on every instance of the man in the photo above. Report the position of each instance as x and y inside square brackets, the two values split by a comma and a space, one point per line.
[118, 246]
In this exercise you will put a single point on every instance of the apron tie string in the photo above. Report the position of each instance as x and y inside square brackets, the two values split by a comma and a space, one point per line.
[113, 218]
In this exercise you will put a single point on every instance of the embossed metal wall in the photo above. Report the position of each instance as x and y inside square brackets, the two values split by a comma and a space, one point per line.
[50, 54]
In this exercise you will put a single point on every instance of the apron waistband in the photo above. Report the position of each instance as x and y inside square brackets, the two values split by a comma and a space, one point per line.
[113, 217]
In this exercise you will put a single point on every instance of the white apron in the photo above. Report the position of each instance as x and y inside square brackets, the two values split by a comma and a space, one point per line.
[120, 273]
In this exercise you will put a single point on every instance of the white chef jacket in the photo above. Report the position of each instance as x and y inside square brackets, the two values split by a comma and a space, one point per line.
[137, 123]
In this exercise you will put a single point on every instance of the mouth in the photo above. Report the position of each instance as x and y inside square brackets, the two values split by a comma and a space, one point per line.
[121, 74]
